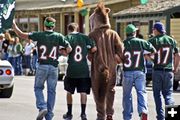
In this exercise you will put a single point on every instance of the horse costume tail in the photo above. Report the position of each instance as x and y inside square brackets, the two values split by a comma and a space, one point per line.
[105, 72]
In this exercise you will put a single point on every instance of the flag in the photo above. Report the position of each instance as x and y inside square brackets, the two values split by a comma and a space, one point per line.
[83, 12]
[80, 3]
[143, 2]
[7, 8]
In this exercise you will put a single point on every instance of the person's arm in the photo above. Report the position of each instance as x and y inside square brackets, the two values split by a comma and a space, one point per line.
[118, 59]
[149, 50]
[21, 34]
[68, 49]
[93, 50]
[65, 51]
[176, 62]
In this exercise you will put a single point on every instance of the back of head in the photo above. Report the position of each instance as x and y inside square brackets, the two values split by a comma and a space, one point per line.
[49, 22]
[159, 27]
[73, 27]
[16, 39]
[131, 30]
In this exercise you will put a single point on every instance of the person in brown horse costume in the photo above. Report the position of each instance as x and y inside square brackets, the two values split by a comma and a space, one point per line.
[104, 60]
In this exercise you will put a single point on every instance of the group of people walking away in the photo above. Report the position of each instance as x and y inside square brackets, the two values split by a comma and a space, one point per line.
[105, 50]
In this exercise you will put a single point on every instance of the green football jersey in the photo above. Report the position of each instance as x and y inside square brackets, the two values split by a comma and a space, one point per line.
[77, 59]
[134, 49]
[48, 44]
[166, 47]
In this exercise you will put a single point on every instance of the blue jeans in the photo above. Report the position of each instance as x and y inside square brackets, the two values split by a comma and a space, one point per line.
[5, 57]
[34, 62]
[162, 85]
[11, 60]
[18, 65]
[49, 74]
[136, 78]
[28, 62]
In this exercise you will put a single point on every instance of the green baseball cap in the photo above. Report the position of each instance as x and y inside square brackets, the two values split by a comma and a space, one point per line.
[130, 29]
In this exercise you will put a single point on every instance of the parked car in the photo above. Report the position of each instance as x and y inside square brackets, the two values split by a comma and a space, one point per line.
[176, 79]
[6, 79]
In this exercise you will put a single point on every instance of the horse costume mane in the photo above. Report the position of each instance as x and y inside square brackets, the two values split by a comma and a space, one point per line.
[100, 17]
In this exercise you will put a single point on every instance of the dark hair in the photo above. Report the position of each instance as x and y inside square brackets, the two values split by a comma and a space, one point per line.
[130, 34]
[73, 26]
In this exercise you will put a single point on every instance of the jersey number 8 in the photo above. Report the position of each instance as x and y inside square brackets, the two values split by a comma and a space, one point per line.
[78, 54]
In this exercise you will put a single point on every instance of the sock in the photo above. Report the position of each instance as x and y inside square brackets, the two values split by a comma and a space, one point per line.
[69, 109]
[83, 109]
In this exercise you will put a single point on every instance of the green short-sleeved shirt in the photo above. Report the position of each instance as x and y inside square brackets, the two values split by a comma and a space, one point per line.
[166, 47]
[134, 49]
[77, 59]
[48, 44]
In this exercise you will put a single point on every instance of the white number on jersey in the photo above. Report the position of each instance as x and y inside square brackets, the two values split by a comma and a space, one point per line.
[160, 52]
[78, 55]
[52, 54]
[128, 56]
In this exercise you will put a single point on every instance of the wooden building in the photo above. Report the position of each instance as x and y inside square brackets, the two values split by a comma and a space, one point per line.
[166, 11]
[31, 13]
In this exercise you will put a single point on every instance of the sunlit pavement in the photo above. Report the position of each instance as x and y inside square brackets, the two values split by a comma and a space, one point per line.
[21, 106]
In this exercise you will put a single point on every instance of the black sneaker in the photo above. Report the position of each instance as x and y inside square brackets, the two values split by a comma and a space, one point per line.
[83, 117]
[67, 116]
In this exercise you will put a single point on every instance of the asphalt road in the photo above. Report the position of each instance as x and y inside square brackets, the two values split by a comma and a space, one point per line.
[21, 106]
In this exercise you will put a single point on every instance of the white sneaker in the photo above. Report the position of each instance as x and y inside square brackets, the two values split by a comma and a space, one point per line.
[41, 114]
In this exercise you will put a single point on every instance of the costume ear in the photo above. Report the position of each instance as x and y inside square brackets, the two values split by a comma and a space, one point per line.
[108, 10]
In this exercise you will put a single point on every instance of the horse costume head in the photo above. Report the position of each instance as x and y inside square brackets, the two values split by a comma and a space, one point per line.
[99, 17]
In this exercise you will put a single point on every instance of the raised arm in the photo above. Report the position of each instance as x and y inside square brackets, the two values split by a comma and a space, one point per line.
[21, 34]
[68, 49]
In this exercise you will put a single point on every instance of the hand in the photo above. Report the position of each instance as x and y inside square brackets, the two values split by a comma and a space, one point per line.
[63, 52]
[118, 59]
[175, 70]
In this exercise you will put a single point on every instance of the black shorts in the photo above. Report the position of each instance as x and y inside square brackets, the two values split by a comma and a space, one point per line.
[81, 84]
